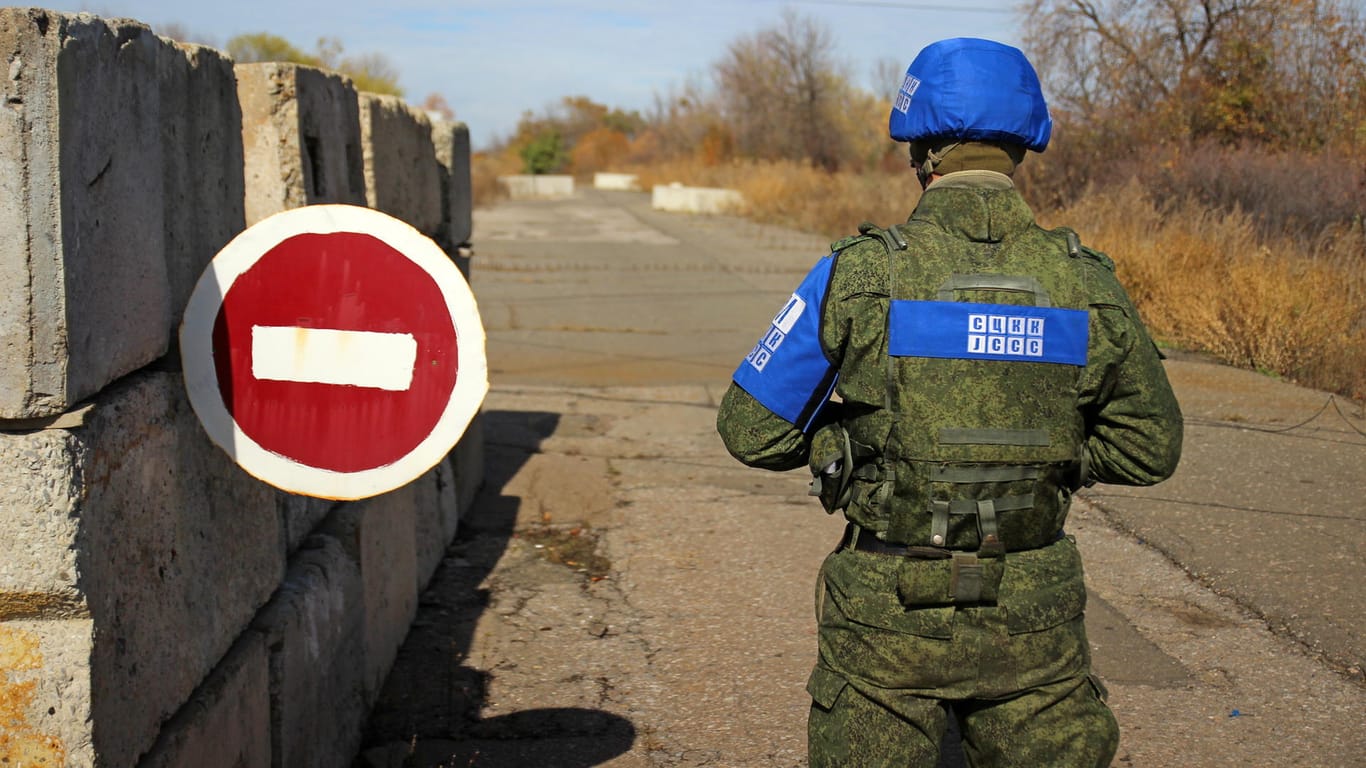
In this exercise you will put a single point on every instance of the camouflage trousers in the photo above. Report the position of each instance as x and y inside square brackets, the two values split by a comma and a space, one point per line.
[894, 657]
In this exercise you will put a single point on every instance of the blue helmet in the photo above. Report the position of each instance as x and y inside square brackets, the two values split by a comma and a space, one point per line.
[971, 90]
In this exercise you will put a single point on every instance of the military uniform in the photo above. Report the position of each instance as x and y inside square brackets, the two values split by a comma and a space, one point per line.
[951, 382]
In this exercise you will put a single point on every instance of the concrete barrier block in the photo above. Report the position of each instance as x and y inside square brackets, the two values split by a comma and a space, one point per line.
[468, 461]
[529, 187]
[379, 533]
[452, 142]
[681, 199]
[227, 722]
[45, 692]
[137, 522]
[402, 176]
[300, 138]
[201, 135]
[86, 296]
[301, 515]
[314, 628]
[429, 521]
[621, 182]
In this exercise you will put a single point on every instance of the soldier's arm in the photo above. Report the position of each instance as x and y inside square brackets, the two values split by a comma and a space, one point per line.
[756, 436]
[780, 393]
[1133, 420]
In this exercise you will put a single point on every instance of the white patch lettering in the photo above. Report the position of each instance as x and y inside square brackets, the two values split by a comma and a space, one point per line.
[1005, 335]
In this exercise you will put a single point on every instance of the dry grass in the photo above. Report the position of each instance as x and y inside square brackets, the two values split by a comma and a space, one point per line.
[1206, 281]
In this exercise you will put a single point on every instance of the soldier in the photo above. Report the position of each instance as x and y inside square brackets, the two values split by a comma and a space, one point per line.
[950, 382]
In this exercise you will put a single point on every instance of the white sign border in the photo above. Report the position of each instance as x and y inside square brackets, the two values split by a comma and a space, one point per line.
[201, 379]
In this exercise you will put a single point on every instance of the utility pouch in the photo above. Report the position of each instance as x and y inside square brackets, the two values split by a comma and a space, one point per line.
[961, 579]
[832, 467]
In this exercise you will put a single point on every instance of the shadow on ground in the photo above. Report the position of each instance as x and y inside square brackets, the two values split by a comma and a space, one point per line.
[429, 712]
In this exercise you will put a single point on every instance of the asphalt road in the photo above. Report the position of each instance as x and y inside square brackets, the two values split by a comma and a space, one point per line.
[626, 594]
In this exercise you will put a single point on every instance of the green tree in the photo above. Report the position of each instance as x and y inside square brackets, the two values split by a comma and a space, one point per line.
[545, 153]
[264, 46]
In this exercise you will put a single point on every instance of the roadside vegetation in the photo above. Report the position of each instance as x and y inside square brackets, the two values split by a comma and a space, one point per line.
[1215, 150]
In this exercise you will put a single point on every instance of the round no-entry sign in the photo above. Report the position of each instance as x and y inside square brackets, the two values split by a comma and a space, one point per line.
[334, 351]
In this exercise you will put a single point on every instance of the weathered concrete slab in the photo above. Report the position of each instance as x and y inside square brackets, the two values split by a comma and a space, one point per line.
[681, 199]
[436, 518]
[528, 187]
[86, 296]
[300, 138]
[452, 142]
[45, 692]
[468, 461]
[402, 175]
[621, 182]
[201, 137]
[301, 515]
[379, 534]
[315, 630]
[227, 723]
[137, 523]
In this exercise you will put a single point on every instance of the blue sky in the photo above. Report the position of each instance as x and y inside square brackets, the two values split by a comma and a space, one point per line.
[494, 59]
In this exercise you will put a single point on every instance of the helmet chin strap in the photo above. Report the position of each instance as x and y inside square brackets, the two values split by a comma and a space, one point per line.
[932, 159]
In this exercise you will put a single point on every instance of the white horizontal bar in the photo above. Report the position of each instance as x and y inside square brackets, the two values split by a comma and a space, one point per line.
[326, 356]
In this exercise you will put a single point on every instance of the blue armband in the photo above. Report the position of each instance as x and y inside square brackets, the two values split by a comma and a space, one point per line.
[787, 371]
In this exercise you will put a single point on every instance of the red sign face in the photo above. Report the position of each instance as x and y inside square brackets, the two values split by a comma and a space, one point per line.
[342, 281]
[334, 351]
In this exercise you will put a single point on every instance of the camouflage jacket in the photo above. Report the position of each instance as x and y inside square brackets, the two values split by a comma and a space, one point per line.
[1119, 420]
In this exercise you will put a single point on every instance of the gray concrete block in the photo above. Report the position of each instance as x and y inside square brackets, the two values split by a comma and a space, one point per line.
[315, 630]
[379, 533]
[86, 296]
[432, 493]
[301, 516]
[45, 692]
[402, 176]
[452, 142]
[201, 137]
[468, 459]
[300, 138]
[136, 521]
[227, 722]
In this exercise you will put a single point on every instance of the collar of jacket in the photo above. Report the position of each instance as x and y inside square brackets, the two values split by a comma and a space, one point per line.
[981, 206]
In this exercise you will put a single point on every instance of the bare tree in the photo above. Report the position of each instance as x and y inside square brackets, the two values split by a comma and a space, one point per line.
[1282, 71]
[780, 90]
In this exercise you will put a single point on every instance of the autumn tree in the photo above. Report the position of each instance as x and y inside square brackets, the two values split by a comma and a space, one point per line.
[370, 72]
[1278, 71]
[781, 91]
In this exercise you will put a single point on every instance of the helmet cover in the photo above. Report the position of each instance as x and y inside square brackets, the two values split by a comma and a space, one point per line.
[971, 90]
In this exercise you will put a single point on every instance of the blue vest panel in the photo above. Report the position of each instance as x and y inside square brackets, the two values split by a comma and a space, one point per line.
[787, 371]
[963, 330]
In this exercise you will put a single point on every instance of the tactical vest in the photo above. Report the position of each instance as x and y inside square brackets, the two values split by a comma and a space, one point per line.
[963, 424]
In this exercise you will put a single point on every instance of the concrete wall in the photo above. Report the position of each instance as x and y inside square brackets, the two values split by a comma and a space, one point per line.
[621, 182]
[159, 606]
[528, 187]
[681, 199]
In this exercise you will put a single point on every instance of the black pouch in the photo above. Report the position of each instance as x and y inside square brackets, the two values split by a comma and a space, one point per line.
[832, 467]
